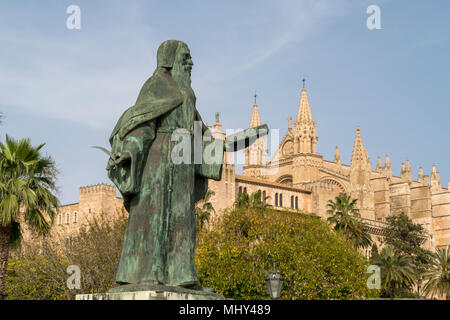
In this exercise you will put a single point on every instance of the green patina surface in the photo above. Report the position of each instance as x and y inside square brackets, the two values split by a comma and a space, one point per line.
[158, 246]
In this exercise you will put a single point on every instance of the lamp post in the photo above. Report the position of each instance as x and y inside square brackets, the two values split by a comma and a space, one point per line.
[274, 283]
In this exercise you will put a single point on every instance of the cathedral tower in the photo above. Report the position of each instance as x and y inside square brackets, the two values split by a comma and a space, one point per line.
[256, 153]
[306, 162]
[360, 170]
[305, 139]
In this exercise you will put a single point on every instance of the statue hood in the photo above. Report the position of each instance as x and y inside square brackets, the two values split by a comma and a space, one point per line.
[159, 95]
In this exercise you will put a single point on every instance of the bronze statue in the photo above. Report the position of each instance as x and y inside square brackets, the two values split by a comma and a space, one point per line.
[158, 247]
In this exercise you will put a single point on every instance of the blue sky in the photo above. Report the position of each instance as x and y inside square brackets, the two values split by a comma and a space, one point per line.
[68, 87]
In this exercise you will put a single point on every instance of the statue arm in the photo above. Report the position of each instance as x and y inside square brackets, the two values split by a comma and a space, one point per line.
[130, 154]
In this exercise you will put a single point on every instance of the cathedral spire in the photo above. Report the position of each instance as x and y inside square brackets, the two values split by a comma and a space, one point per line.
[304, 112]
[387, 161]
[407, 165]
[257, 152]
[337, 155]
[359, 154]
[420, 177]
[379, 165]
[387, 167]
[255, 119]
[433, 169]
[435, 179]
[360, 174]
[305, 139]
[406, 173]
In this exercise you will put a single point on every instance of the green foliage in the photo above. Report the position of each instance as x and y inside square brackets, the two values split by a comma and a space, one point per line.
[345, 218]
[243, 200]
[34, 278]
[203, 209]
[237, 254]
[41, 274]
[438, 277]
[374, 252]
[15, 236]
[407, 239]
[27, 179]
[397, 271]
[252, 201]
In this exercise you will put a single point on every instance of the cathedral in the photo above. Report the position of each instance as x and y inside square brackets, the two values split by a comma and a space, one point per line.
[297, 177]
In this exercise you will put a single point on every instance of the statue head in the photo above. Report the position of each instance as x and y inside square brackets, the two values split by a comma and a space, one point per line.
[175, 56]
[172, 53]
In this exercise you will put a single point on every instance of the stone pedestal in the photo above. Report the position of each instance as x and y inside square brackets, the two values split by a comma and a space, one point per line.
[152, 292]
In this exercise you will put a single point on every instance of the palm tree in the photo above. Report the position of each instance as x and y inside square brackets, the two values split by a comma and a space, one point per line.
[252, 201]
[396, 270]
[203, 209]
[345, 217]
[243, 200]
[438, 278]
[27, 183]
[256, 201]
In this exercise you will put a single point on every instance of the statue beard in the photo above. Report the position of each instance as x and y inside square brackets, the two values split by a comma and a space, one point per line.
[182, 76]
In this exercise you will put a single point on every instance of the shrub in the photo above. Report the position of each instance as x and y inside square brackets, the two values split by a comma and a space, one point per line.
[41, 273]
[236, 255]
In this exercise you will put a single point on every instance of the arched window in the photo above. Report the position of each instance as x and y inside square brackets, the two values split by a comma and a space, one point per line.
[264, 196]
[245, 189]
[59, 219]
[67, 217]
[281, 199]
[296, 202]
[292, 201]
[276, 199]
[75, 217]
[240, 190]
[259, 191]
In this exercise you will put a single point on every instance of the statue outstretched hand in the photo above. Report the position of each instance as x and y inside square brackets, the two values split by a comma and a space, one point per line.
[117, 159]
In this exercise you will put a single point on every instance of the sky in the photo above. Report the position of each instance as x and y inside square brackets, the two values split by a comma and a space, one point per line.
[68, 88]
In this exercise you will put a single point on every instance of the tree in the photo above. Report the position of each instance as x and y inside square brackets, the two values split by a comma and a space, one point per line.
[438, 278]
[374, 251]
[243, 200]
[27, 184]
[203, 209]
[257, 202]
[41, 273]
[396, 270]
[253, 201]
[238, 252]
[345, 217]
[407, 238]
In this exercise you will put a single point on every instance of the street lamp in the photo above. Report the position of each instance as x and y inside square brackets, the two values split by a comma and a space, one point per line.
[274, 283]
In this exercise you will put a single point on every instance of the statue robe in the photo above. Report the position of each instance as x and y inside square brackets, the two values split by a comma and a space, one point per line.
[159, 240]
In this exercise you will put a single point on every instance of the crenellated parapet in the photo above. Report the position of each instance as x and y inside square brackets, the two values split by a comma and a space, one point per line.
[101, 187]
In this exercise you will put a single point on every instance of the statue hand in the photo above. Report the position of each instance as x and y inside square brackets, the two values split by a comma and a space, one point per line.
[118, 159]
